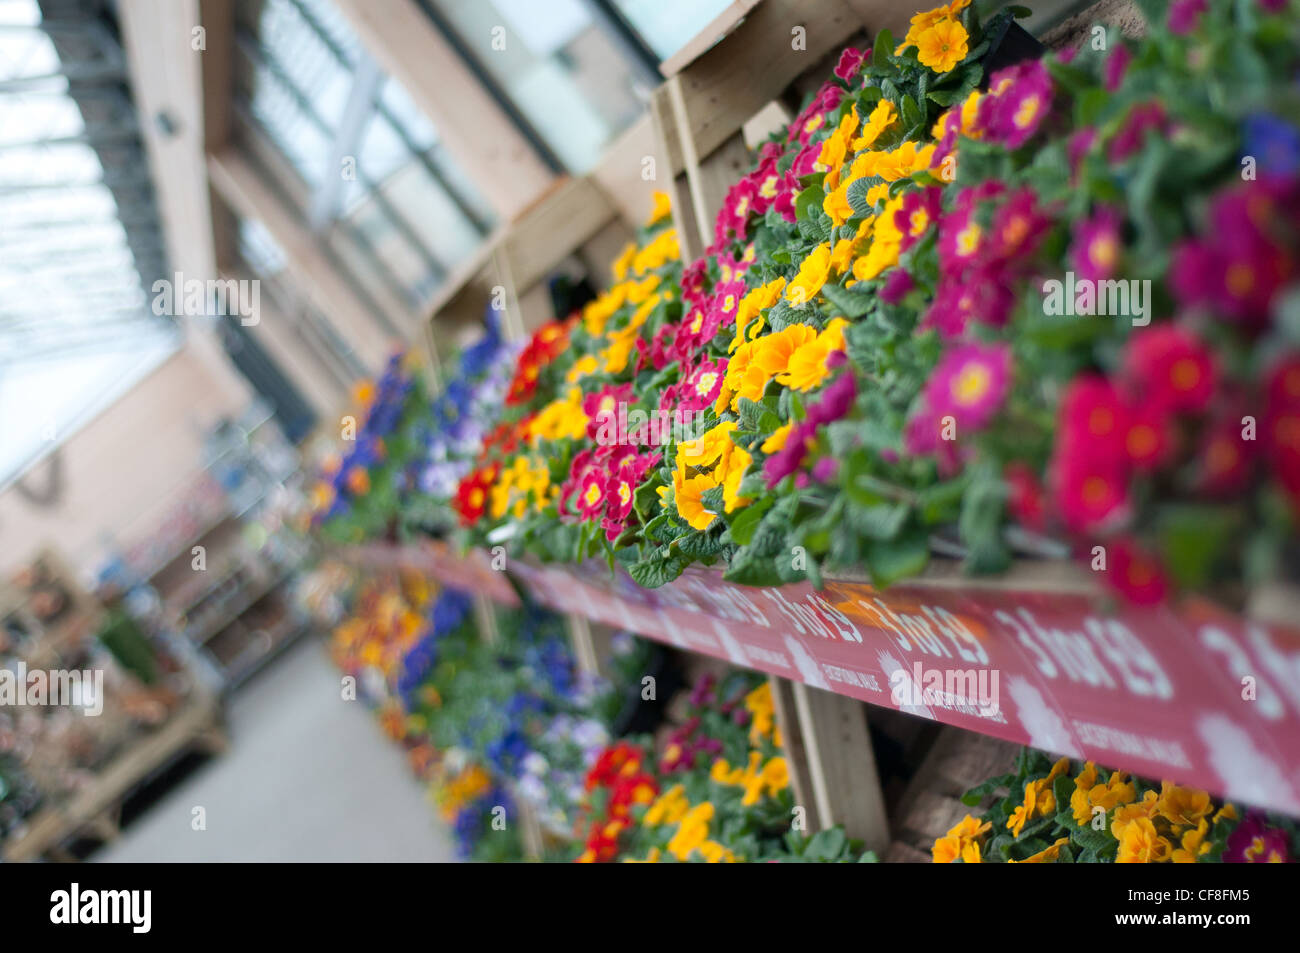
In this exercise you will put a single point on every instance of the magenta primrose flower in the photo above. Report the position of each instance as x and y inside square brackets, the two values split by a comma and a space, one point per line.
[1096, 247]
[1021, 101]
[970, 384]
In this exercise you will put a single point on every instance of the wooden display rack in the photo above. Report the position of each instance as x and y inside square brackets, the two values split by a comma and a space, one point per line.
[574, 217]
[96, 811]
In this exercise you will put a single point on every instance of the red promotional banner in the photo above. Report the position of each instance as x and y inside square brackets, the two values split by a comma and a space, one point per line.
[1199, 696]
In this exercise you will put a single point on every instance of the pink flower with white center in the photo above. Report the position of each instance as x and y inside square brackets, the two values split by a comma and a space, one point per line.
[700, 387]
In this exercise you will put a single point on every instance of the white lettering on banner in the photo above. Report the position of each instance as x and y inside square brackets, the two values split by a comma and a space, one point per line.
[803, 618]
[844, 626]
[1284, 666]
[1041, 661]
[850, 677]
[1220, 642]
[1130, 655]
[956, 631]
[1059, 651]
[909, 629]
[760, 654]
[1130, 743]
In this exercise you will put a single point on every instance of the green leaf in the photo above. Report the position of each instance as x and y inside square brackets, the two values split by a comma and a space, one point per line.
[857, 191]
[747, 520]
[882, 49]
[656, 571]
[1192, 538]
[852, 304]
[890, 561]
[882, 521]
[757, 417]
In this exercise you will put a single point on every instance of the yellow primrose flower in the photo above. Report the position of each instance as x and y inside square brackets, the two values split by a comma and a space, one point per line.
[773, 352]
[752, 304]
[1183, 807]
[1039, 802]
[813, 272]
[926, 19]
[752, 781]
[970, 853]
[743, 379]
[1049, 855]
[846, 248]
[946, 850]
[776, 440]
[560, 419]
[663, 207]
[723, 773]
[836, 205]
[969, 828]
[587, 364]
[669, 808]
[881, 118]
[639, 291]
[715, 853]
[623, 263]
[1142, 845]
[1193, 844]
[655, 254]
[706, 449]
[598, 311]
[807, 367]
[731, 471]
[836, 146]
[693, 832]
[776, 775]
[942, 46]
[690, 504]
[1128, 813]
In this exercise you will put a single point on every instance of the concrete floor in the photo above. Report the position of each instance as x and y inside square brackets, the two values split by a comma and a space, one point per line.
[308, 777]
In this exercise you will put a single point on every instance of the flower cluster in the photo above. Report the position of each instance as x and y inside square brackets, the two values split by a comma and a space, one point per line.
[1054, 813]
[952, 298]
[693, 805]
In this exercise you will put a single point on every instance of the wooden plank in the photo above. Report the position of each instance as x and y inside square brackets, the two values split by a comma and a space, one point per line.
[796, 753]
[302, 366]
[473, 128]
[931, 805]
[244, 189]
[842, 765]
[584, 648]
[670, 166]
[877, 15]
[724, 87]
[554, 228]
[629, 170]
[708, 37]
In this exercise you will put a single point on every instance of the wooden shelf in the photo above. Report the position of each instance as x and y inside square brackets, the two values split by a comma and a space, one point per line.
[1156, 691]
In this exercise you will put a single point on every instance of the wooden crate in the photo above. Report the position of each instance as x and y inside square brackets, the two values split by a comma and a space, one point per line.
[931, 805]
[754, 54]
